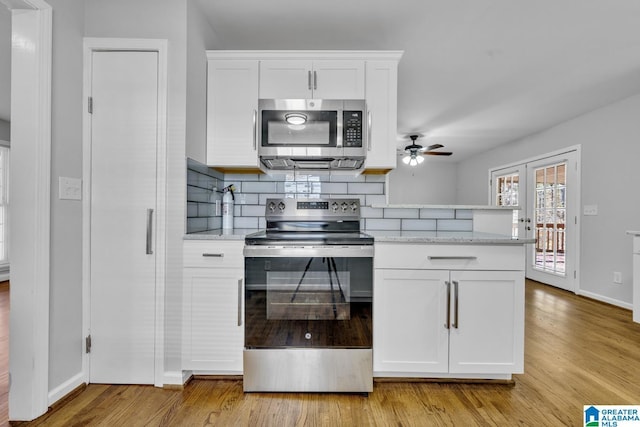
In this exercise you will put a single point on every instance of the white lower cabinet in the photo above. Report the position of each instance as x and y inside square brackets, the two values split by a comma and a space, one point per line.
[213, 293]
[447, 323]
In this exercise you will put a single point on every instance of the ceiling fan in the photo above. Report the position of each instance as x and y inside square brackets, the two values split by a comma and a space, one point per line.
[413, 152]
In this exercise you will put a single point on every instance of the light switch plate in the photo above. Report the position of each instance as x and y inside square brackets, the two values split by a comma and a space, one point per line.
[69, 188]
[590, 210]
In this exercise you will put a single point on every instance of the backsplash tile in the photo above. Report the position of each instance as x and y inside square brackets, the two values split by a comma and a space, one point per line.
[204, 200]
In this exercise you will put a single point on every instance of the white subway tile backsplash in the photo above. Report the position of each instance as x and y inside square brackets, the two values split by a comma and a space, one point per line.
[400, 213]
[245, 222]
[367, 212]
[258, 187]
[419, 224]
[464, 214]
[382, 224]
[374, 199]
[455, 224]
[437, 213]
[253, 190]
[365, 188]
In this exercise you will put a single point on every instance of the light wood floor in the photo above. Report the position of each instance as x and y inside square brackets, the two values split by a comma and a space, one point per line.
[578, 352]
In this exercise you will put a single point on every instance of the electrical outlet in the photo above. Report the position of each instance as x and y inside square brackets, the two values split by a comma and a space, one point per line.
[617, 277]
[590, 210]
[217, 208]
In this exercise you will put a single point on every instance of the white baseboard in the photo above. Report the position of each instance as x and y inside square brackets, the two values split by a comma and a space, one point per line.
[176, 377]
[4, 276]
[608, 300]
[65, 388]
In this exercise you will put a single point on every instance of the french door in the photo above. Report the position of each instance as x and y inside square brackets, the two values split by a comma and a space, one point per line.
[546, 190]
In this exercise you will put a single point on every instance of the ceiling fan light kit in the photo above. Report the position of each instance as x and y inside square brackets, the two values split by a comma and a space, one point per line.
[414, 152]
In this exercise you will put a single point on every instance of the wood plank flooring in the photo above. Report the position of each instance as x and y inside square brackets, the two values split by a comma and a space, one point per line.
[578, 351]
[4, 353]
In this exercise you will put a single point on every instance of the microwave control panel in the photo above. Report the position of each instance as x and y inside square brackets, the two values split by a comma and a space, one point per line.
[352, 129]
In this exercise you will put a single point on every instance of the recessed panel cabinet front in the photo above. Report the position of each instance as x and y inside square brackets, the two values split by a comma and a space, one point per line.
[409, 309]
[232, 108]
[213, 315]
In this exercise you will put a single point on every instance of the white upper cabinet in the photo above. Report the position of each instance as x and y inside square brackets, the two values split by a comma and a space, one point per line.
[232, 108]
[320, 79]
[382, 109]
[237, 79]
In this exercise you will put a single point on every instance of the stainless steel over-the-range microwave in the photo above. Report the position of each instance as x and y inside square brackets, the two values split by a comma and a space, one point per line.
[312, 133]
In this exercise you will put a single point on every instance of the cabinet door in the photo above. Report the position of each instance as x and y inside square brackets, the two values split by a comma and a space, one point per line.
[409, 322]
[232, 108]
[213, 320]
[338, 79]
[286, 79]
[487, 334]
[381, 96]
[330, 79]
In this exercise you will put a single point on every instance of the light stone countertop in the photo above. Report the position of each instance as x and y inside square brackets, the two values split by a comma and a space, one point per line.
[441, 237]
[448, 237]
[471, 207]
[220, 234]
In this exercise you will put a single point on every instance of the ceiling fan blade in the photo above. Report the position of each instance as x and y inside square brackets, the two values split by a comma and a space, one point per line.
[437, 153]
[432, 147]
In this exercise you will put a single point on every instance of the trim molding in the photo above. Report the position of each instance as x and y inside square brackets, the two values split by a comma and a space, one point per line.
[66, 388]
[31, 134]
[373, 55]
[605, 299]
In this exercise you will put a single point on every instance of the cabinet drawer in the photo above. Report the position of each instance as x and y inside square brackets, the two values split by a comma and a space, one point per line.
[213, 253]
[449, 257]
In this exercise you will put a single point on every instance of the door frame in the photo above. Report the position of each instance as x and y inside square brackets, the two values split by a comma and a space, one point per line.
[577, 149]
[31, 23]
[160, 46]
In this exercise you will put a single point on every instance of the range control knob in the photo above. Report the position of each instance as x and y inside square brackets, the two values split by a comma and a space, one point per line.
[334, 207]
[354, 206]
[344, 206]
[281, 206]
[272, 207]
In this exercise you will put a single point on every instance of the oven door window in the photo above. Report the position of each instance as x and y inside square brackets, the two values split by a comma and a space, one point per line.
[308, 302]
[283, 128]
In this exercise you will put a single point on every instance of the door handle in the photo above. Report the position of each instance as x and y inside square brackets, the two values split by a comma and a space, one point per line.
[447, 323]
[455, 324]
[239, 302]
[149, 231]
[255, 128]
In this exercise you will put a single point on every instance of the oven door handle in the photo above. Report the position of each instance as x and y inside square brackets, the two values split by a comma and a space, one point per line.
[335, 251]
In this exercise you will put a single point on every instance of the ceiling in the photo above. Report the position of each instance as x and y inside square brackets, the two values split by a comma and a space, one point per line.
[475, 73]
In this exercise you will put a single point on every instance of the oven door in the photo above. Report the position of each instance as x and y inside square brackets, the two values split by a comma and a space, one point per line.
[308, 297]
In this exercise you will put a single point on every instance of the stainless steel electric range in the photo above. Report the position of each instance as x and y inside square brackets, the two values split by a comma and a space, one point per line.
[308, 299]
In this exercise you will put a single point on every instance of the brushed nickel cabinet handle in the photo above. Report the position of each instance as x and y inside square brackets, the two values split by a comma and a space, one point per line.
[255, 128]
[309, 80]
[315, 80]
[447, 324]
[240, 302]
[221, 255]
[149, 231]
[436, 258]
[456, 324]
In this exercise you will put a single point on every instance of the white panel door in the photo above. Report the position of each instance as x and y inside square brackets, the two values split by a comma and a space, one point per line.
[124, 89]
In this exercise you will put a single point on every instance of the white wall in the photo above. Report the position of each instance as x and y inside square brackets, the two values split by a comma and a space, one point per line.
[432, 182]
[65, 299]
[610, 139]
[160, 19]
